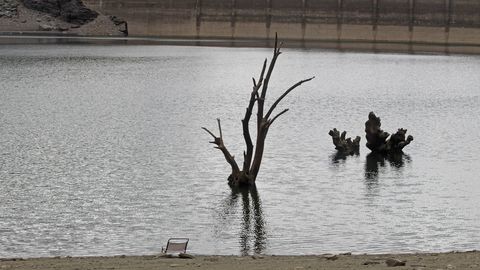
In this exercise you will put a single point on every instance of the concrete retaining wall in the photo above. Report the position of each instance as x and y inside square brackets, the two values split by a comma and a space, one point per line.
[437, 21]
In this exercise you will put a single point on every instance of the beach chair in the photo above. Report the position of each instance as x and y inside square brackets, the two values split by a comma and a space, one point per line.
[176, 246]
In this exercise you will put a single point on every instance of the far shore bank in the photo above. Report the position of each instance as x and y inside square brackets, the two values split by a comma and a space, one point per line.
[362, 26]
[380, 46]
[451, 260]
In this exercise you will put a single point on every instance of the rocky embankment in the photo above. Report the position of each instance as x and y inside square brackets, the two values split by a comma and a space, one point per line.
[57, 17]
[72, 11]
[8, 8]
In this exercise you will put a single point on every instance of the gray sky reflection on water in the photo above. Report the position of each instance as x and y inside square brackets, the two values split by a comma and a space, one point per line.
[102, 152]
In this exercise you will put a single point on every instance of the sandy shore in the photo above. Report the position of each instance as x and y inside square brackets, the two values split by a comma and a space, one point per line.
[452, 260]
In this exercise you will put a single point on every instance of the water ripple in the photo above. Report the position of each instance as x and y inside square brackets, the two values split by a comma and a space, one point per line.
[101, 152]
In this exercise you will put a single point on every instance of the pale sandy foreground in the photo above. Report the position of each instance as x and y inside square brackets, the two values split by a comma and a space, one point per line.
[452, 260]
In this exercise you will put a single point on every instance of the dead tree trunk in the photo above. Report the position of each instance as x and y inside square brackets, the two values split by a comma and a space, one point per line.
[254, 153]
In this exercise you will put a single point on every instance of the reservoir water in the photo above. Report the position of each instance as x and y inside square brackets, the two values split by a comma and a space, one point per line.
[102, 152]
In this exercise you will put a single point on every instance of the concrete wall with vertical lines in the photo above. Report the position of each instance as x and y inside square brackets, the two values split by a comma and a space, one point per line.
[420, 20]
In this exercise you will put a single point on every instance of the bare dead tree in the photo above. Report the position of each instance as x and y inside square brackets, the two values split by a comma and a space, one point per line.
[254, 153]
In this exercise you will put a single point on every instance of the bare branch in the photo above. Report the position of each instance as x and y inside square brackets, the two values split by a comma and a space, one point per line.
[276, 42]
[245, 122]
[270, 122]
[220, 128]
[276, 53]
[263, 69]
[261, 100]
[209, 132]
[219, 142]
[285, 94]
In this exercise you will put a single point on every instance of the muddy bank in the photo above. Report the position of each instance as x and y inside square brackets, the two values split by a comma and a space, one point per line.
[12, 38]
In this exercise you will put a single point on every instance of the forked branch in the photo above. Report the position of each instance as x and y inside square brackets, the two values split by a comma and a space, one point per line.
[245, 122]
[270, 122]
[274, 105]
[218, 141]
[261, 100]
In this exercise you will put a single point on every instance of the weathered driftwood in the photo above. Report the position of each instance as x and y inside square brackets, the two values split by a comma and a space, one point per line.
[345, 146]
[253, 155]
[379, 141]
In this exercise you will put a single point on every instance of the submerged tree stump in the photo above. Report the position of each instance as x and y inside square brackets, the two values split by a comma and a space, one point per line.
[379, 141]
[345, 146]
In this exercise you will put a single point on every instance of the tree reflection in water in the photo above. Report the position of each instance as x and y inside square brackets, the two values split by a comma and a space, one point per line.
[252, 237]
[376, 160]
[339, 157]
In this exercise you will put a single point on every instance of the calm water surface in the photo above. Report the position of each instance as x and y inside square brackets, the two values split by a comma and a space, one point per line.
[101, 152]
